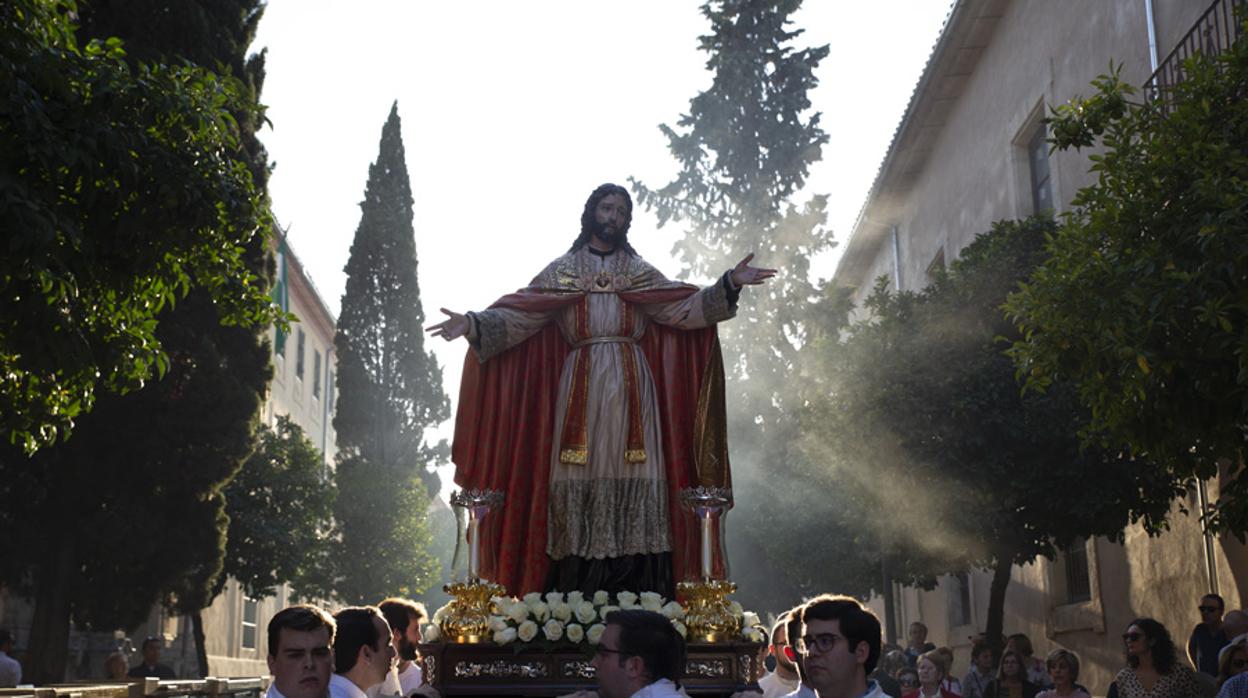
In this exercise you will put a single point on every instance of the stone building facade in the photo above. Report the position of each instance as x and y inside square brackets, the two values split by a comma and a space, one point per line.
[969, 151]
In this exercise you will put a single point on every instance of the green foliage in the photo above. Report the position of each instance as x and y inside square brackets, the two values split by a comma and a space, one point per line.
[930, 446]
[390, 392]
[1143, 303]
[743, 150]
[122, 192]
[383, 514]
[157, 152]
[280, 506]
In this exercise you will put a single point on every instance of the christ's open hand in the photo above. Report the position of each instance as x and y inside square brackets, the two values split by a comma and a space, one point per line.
[745, 275]
[456, 325]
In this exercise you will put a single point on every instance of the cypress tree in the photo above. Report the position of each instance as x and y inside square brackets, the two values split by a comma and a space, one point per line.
[743, 151]
[390, 393]
[138, 487]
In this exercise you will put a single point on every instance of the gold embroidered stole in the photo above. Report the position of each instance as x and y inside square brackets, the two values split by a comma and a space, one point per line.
[574, 446]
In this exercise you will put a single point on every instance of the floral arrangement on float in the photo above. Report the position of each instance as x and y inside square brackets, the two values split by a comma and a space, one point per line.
[574, 619]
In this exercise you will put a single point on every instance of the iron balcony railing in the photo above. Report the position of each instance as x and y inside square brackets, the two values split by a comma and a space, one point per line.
[1215, 32]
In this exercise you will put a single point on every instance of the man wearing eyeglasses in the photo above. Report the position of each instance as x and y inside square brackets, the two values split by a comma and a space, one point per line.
[784, 679]
[1207, 637]
[640, 655]
[840, 646]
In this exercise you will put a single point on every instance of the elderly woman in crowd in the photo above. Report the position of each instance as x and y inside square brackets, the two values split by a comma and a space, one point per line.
[1063, 666]
[1153, 669]
[932, 671]
[1011, 681]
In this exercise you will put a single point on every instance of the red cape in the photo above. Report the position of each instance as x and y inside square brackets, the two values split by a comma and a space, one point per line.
[506, 423]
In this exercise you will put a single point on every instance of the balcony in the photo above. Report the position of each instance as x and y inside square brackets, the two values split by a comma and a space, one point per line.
[1215, 32]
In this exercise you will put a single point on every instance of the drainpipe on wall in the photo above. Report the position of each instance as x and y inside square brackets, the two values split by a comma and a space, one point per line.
[1152, 35]
[1211, 560]
[896, 261]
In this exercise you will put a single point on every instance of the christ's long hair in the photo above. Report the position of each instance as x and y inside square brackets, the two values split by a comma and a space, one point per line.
[589, 224]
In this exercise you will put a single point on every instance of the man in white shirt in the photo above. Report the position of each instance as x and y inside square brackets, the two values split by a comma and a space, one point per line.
[840, 645]
[300, 654]
[10, 669]
[405, 618]
[640, 655]
[363, 652]
[784, 679]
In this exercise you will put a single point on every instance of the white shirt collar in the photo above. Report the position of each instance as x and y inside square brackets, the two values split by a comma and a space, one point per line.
[342, 687]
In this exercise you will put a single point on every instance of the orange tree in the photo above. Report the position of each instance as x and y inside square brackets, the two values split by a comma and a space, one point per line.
[1142, 303]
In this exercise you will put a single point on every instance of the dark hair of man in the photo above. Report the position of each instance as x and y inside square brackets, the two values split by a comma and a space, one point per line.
[792, 631]
[917, 624]
[654, 639]
[979, 648]
[301, 618]
[1158, 639]
[5, 637]
[1215, 597]
[858, 624]
[399, 612]
[589, 223]
[355, 629]
[150, 639]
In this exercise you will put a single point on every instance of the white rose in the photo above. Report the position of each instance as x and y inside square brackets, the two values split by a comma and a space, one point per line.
[575, 598]
[504, 636]
[605, 610]
[585, 612]
[554, 597]
[736, 609]
[518, 613]
[594, 634]
[575, 632]
[626, 599]
[431, 633]
[673, 611]
[680, 628]
[652, 596]
[440, 615]
[540, 611]
[497, 623]
[754, 635]
[553, 630]
[562, 611]
[527, 631]
[655, 604]
[532, 598]
[600, 598]
[750, 619]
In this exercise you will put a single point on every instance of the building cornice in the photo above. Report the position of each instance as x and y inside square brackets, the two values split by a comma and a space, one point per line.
[967, 31]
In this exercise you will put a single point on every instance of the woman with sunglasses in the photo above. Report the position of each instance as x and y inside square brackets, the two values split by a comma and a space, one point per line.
[1232, 661]
[1153, 669]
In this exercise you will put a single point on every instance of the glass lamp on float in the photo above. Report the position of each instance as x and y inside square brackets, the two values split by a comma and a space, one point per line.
[708, 612]
[468, 615]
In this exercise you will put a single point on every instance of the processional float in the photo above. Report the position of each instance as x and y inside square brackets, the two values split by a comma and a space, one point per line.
[484, 643]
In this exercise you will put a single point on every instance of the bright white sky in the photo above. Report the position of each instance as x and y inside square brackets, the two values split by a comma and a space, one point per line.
[514, 111]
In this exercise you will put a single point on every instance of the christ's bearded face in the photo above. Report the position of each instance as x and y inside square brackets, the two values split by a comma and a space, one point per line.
[611, 219]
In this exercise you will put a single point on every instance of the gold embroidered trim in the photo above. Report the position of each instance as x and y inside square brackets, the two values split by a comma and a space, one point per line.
[637, 455]
[574, 456]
